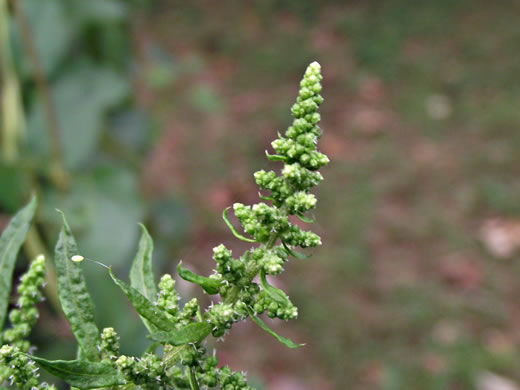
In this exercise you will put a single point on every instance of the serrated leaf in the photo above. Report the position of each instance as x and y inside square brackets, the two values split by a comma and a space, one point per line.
[145, 308]
[211, 286]
[275, 293]
[191, 333]
[81, 373]
[74, 297]
[232, 228]
[285, 341]
[141, 273]
[295, 254]
[11, 240]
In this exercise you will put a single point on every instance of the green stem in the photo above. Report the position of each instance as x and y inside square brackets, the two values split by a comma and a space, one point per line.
[193, 380]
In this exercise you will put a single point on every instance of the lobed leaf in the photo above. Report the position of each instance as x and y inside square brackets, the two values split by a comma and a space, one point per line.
[209, 285]
[141, 273]
[192, 333]
[145, 308]
[275, 293]
[285, 341]
[233, 230]
[73, 295]
[81, 373]
[11, 240]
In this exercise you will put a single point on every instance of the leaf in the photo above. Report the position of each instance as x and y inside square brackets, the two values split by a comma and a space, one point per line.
[285, 341]
[295, 254]
[265, 198]
[275, 293]
[146, 309]
[275, 157]
[73, 294]
[82, 96]
[211, 286]
[53, 34]
[11, 240]
[81, 373]
[191, 333]
[233, 230]
[305, 219]
[141, 273]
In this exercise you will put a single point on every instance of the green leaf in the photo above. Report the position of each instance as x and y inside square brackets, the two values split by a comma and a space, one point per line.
[73, 294]
[275, 293]
[11, 240]
[275, 157]
[233, 230]
[146, 309]
[80, 119]
[53, 34]
[191, 333]
[295, 254]
[285, 341]
[141, 273]
[265, 198]
[305, 219]
[81, 373]
[209, 285]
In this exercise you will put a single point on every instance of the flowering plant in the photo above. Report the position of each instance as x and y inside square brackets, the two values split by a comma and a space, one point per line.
[240, 283]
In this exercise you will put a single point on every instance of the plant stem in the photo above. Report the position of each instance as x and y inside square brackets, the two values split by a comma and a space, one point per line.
[57, 172]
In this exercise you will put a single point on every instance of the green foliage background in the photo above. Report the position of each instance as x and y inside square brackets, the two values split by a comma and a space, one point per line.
[164, 105]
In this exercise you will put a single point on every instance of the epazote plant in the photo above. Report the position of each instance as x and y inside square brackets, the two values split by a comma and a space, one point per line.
[183, 362]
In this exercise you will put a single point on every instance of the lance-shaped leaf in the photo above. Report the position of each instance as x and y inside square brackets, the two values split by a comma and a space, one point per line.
[305, 219]
[275, 293]
[263, 197]
[293, 253]
[141, 273]
[275, 157]
[209, 285]
[74, 297]
[285, 341]
[81, 373]
[232, 228]
[191, 333]
[11, 240]
[146, 309]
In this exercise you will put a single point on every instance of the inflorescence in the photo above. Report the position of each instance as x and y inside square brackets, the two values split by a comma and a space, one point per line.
[241, 282]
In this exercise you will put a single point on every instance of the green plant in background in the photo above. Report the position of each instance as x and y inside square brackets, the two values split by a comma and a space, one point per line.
[180, 332]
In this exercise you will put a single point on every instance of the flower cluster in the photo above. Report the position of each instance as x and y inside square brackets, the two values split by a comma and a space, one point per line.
[25, 315]
[241, 282]
[109, 346]
[22, 372]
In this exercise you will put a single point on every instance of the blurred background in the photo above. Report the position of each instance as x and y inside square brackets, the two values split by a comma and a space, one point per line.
[120, 112]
